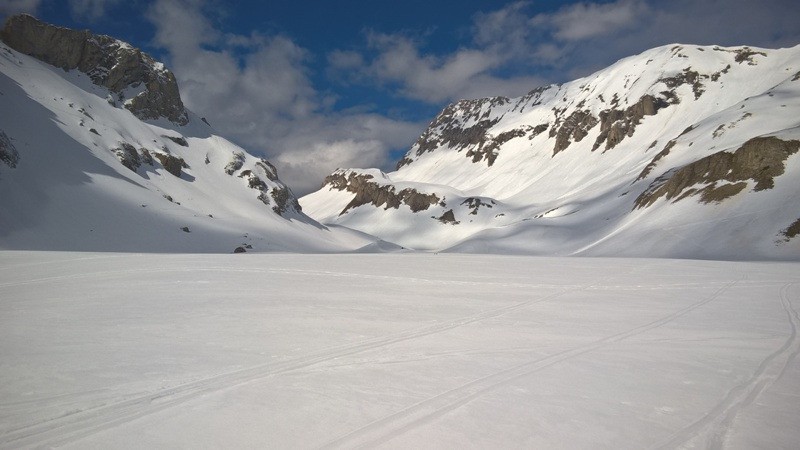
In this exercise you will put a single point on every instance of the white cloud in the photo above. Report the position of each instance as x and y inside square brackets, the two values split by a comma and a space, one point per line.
[507, 26]
[587, 20]
[181, 26]
[256, 90]
[579, 38]
[11, 7]
[426, 78]
[398, 63]
[90, 9]
[582, 38]
[345, 59]
[314, 147]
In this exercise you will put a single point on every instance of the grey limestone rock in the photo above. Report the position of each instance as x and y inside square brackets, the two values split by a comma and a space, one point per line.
[367, 191]
[8, 153]
[724, 174]
[109, 62]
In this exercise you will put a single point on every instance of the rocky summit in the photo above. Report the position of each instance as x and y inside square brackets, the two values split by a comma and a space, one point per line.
[681, 151]
[98, 152]
[134, 79]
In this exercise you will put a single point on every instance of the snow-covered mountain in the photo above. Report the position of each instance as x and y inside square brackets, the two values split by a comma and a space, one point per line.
[681, 151]
[98, 152]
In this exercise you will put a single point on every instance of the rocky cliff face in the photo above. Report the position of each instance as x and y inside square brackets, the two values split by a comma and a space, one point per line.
[368, 191]
[724, 174]
[134, 78]
[8, 153]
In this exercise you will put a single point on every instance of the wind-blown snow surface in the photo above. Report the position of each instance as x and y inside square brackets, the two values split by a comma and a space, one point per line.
[70, 190]
[402, 351]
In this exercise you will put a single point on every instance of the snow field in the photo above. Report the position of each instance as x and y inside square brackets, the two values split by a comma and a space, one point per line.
[101, 350]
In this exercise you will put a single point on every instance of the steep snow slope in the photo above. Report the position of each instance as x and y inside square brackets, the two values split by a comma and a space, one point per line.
[80, 171]
[681, 151]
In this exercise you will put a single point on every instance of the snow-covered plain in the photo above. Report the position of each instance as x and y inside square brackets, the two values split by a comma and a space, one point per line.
[106, 350]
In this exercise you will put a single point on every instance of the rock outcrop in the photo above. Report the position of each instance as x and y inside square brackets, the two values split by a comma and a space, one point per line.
[284, 200]
[791, 231]
[235, 164]
[448, 217]
[474, 204]
[616, 124]
[133, 159]
[278, 196]
[171, 163]
[723, 174]
[8, 153]
[450, 128]
[574, 127]
[134, 78]
[690, 77]
[370, 192]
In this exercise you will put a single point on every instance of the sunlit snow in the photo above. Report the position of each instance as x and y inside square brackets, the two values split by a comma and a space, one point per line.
[104, 350]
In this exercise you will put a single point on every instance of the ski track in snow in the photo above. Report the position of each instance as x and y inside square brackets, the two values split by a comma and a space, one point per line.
[719, 421]
[712, 428]
[305, 272]
[61, 430]
[421, 413]
[299, 272]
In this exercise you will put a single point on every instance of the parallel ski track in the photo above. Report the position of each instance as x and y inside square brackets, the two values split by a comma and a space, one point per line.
[68, 428]
[717, 422]
[716, 425]
[299, 272]
[423, 412]
[305, 272]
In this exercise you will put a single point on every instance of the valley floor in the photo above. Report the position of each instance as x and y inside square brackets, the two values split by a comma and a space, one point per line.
[107, 350]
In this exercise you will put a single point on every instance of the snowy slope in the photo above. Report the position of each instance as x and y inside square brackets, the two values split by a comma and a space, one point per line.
[80, 171]
[593, 167]
[396, 351]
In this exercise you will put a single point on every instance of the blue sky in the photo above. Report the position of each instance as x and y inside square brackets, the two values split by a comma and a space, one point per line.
[316, 85]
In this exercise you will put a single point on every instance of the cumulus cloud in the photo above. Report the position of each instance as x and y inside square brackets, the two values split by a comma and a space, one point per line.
[426, 77]
[506, 27]
[767, 23]
[396, 62]
[90, 9]
[345, 59]
[257, 90]
[585, 20]
[11, 7]
[578, 38]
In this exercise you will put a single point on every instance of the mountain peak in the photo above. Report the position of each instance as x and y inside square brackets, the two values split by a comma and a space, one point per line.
[560, 169]
[134, 79]
[83, 166]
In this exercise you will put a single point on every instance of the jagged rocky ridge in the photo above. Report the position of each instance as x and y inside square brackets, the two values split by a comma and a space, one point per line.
[153, 91]
[134, 79]
[79, 172]
[600, 164]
